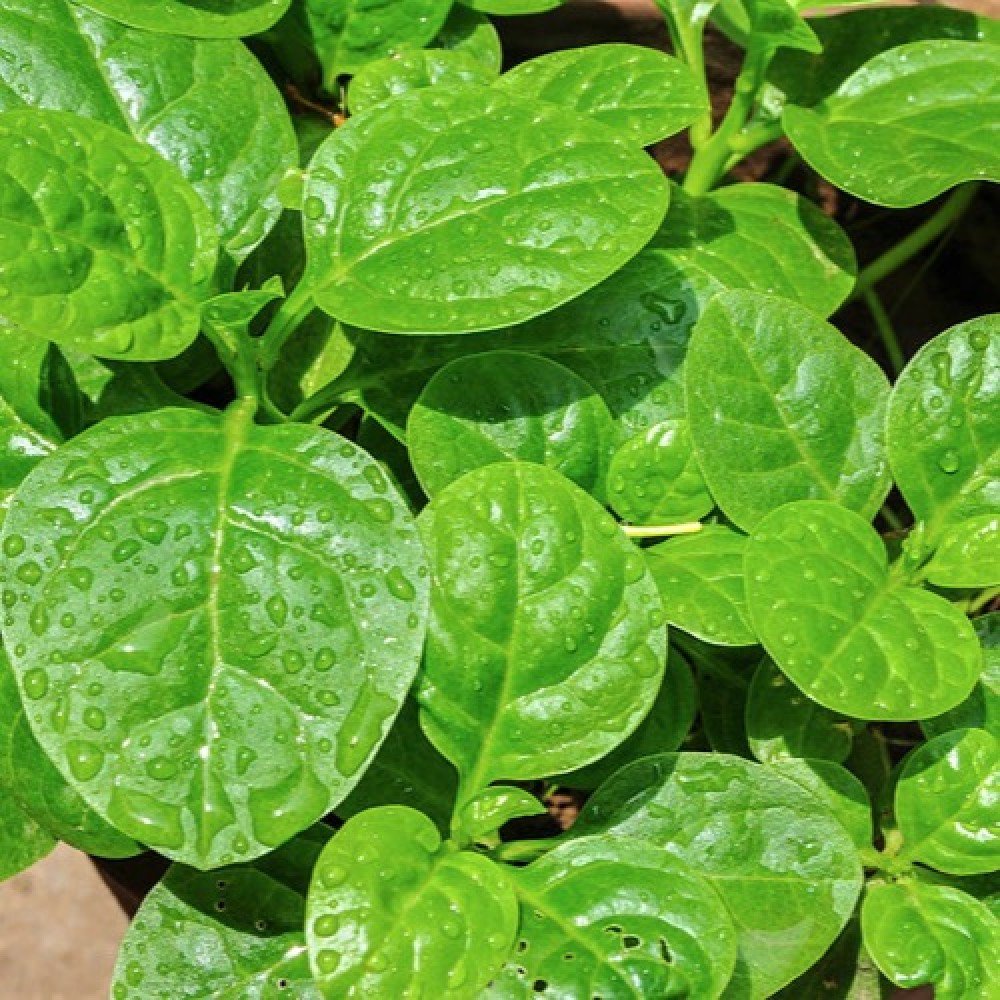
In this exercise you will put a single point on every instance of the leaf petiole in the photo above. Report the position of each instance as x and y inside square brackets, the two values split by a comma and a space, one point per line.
[661, 530]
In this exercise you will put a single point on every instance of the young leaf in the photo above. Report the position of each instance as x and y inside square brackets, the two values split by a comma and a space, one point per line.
[22, 840]
[767, 24]
[509, 8]
[946, 799]
[547, 639]
[654, 477]
[785, 868]
[505, 406]
[931, 934]
[486, 812]
[531, 223]
[392, 912]
[228, 933]
[968, 554]
[195, 609]
[198, 18]
[909, 124]
[770, 427]
[783, 723]
[112, 253]
[610, 917]
[852, 636]
[700, 578]
[637, 91]
[472, 33]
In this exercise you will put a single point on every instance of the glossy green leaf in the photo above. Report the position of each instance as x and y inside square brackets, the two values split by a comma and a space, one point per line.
[946, 803]
[206, 106]
[506, 406]
[235, 932]
[723, 675]
[530, 224]
[968, 555]
[212, 623]
[198, 18]
[909, 124]
[547, 640]
[785, 868]
[485, 813]
[392, 912]
[851, 635]
[385, 79]
[106, 247]
[783, 723]
[22, 840]
[773, 24]
[618, 919]
[929, 934]
[654, 477]
[637, 91]
[473, 33]
[508, 8]
[783, 407]
[700, 578]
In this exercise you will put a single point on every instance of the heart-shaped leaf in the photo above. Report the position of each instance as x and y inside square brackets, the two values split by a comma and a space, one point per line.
[785, 868]
[637, 91]
[392, 912]
[850, 634]
[524, 408]
[612, 917]
[529, 225]
[472, 33]
[769, 427]
[909, 124]
[211, 624]
[199, 18]
[112, 253]
[233, 932]
[547, 639]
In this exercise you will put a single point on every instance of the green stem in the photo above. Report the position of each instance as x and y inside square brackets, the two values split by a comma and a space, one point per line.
[894, 353]
[524, 850]
[926, 233]
[892, 518]
[291, 314]
[661, 530]
[982, 599]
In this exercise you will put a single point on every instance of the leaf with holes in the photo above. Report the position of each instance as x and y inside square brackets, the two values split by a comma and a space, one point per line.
[547, 639]
[392, 911]
[199, 18]
[198, 609]
[847, 632]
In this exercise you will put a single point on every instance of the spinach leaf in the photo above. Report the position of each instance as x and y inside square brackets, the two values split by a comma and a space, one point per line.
[212, 623]
[199, 18]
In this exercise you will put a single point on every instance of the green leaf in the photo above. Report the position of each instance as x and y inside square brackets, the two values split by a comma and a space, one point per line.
[615, 918]
[639, 92]
[385, 79]
[198, 18]
[946, 800]
[782, 722]
[770, 427]
[846, 631]
[785, 868]
[546, 643]
[968, 555]
[235, 932]
[206, 106]
[943, 438]
[486, 812]
[700, 578]
[981, 710]
[22, 840]
[392, 912]
[531, 224]
[909, 124]
[508, 8]
[654, 477]
[195, 609]
[723, 675]
[107, 248]
[470, 32]
[930, 934]
[523, 408]
[775, 24]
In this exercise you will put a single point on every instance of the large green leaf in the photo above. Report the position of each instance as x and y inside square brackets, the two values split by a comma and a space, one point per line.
[637, 91]
[212, 624]
[909, 124]
[521, 408]
[946, 801]
[850, 634]
[393, 912]
[199, 18]
[105, 248]
[618, 919]
[782, 407]
[232, 934]
[547, 639]
[785, 868]
[207, 106]
[931, 934]
[462, 209]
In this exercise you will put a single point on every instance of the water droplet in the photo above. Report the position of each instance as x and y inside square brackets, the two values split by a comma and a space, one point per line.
[85, 759]
[949, 462]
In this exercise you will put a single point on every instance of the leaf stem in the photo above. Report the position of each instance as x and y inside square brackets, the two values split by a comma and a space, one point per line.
[524, 850]
[983, 598]
[886, 332]
[661, 530]
[290, 315]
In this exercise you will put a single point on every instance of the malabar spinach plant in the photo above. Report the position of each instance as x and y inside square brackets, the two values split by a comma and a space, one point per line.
[371, 471]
